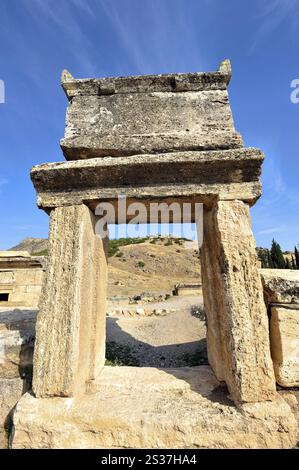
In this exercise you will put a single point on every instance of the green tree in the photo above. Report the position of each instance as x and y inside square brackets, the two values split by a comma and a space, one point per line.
[297, 257]
[270, 263]
[277, 256]
[263, 256]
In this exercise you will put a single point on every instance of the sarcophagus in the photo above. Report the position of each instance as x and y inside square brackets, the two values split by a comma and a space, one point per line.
[148, 114]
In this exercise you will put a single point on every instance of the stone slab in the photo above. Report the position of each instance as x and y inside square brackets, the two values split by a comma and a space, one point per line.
[237, 322]
[207, 176]
[11, 391]
[280, 285]
[17, 333]
[183, 112]
[14, 254]
[206, 194]
[198, 81]
[284, 339]
[70, 329]
[152, 408]
[21, 262]
[222, 167]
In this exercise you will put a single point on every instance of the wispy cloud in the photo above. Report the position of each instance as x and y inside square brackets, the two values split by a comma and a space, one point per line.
[277, 211]
[272, 14]
[273, 230]
[66, 16]
[146, 42]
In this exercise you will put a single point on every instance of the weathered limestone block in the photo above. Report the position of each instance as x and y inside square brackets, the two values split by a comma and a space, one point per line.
[70, 331]
[237, 333]
[107, 117]
[6, 278]
[209, 167]
[179, 176]
[280, 286]
[16, 353]
[14, 254]
[198, 81]
[291, 396]
[22, 285]
[284, 335]
[116, 125]
[170, 408]
[17, 333]
[11, 390]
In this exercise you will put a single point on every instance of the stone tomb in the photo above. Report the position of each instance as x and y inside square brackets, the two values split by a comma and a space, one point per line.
[21, 278]
[166, 138]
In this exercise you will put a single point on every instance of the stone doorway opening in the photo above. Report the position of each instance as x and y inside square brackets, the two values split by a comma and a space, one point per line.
[147, 325]
[4, 297]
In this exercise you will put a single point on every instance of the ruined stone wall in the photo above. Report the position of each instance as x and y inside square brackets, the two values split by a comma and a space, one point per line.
[281, 291]
[21, 278]
[22, 285]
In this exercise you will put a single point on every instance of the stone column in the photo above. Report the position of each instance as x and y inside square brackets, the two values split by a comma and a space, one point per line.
[238, 334]
[70, 332]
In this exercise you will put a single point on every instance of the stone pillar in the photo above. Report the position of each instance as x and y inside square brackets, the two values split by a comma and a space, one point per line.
[70, 332]
[238, 334]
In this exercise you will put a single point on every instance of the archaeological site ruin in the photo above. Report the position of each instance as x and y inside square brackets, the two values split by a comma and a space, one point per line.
[165, 138]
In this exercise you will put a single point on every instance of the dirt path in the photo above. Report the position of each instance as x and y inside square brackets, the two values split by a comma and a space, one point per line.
[174, 340]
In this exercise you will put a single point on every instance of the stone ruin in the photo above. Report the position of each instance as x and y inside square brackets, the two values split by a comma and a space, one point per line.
[21, 278]
[168, 138]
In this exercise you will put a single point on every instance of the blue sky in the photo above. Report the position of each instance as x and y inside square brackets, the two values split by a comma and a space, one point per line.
[93, 38]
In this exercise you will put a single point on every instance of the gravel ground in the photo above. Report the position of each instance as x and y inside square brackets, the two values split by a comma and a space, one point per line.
[173, 340]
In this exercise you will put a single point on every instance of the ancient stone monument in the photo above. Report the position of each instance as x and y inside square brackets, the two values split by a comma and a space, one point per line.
[167, 138]
[20, 279]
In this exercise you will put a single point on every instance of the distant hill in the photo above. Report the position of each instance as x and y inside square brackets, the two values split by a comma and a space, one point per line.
[34, 246]
[151, 264]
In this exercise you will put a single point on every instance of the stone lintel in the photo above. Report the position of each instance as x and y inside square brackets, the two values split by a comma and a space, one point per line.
[205, 176]
[207, 195]
[210, 167]
[176, 82]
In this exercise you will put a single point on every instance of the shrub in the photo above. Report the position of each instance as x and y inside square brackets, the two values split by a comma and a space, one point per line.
[115, 244]
[41, 253]
[119, 355]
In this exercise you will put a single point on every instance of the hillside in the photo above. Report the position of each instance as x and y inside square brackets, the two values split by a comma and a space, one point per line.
[151, 265]
[34, 246]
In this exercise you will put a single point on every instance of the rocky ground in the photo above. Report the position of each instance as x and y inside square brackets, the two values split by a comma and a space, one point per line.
[174, 337]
